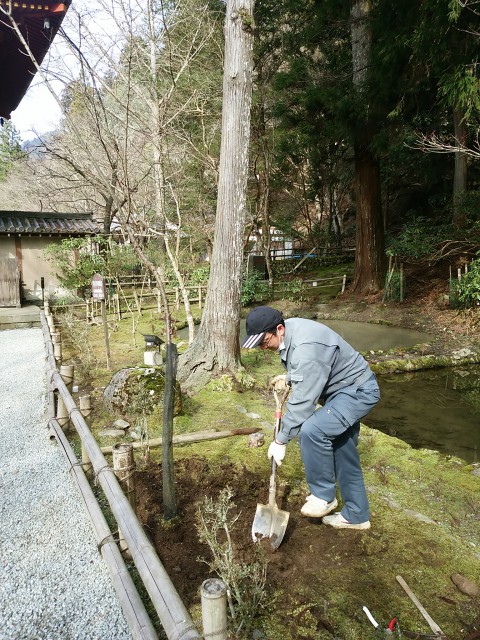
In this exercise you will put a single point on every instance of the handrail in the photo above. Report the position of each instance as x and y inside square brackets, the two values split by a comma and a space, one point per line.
[173, 614]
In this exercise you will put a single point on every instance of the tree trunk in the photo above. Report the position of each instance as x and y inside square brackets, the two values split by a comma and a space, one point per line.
[370, 242]
[460, 175]
[216, 348]
[370, 238]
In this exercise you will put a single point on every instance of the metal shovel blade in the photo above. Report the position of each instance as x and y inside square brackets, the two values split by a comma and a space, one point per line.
[270, 522]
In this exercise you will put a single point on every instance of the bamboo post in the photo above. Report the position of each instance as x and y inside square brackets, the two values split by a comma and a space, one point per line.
[57, 351]
[117, 302]
[66, 371]
[386, 291]
[177, 299]
[51, 323]
[86, 411]
[200, 297]
[459, 274]
[344, 282]
[124, 469]
[401, 282]
[62, 413]
[214, 609]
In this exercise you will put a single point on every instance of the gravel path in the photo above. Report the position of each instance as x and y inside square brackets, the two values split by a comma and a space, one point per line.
[53, 581]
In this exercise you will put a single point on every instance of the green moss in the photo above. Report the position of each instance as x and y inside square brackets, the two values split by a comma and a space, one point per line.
[403, 485]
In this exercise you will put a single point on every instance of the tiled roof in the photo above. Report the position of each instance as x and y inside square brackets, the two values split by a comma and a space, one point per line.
[65, 224]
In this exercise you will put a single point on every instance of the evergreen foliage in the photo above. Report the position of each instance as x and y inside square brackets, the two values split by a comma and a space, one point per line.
[10, 148]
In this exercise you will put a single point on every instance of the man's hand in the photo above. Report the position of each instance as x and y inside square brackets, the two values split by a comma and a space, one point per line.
[277, 450]
[279, 383]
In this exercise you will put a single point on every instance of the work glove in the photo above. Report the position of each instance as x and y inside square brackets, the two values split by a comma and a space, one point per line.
[279, 383]
[277, 451]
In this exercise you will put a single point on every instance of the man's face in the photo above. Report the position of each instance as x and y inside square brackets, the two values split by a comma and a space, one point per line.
[272, 339]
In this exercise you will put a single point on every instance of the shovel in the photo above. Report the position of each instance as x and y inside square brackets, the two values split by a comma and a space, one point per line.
[270, 521]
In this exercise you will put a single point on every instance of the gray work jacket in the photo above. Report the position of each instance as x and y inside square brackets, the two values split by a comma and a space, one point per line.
[319, 364]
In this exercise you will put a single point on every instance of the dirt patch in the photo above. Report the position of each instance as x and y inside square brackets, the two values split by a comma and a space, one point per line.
[179, 549]
[316, 573]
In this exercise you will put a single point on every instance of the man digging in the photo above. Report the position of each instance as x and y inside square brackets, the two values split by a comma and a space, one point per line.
[321, 367]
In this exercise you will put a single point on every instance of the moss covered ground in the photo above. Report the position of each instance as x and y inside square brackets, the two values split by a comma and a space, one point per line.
[425, 506]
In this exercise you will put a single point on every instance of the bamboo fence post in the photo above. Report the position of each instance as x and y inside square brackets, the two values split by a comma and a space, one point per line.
[344, 282]
[124, 468]
[57, 346]
[57, 350]
[386, 291]
[51, 323]
[62, 413]
[117, 302]
[459, 274]
[66, 371]
[200, 297]
[401, 282]
[86, 411]
[214, 609]
[177, 299]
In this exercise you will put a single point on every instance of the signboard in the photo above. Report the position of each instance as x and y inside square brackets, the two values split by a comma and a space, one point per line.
[98, 287]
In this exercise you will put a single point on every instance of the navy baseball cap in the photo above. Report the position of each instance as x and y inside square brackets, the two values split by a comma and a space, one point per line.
[259, 321]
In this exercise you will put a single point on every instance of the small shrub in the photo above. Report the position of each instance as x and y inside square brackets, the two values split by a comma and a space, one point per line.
[467, 290]
[200, 275]
[418, 238]
[78, 334]
[254, 288]
[245, 582]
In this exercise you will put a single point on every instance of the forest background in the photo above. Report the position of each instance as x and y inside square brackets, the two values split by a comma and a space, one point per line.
[362, 133]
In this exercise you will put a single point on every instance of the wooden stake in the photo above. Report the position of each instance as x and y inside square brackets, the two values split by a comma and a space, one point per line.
[344, 282]
[433, 625]
[105, 331]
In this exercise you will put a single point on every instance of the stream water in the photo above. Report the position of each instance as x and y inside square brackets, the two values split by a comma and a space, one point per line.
[435, 409]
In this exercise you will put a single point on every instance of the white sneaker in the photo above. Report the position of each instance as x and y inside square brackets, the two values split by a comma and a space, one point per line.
[317, 508]
[337, 521]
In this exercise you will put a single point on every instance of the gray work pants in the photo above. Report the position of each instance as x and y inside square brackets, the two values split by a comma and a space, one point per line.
[328, 443]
